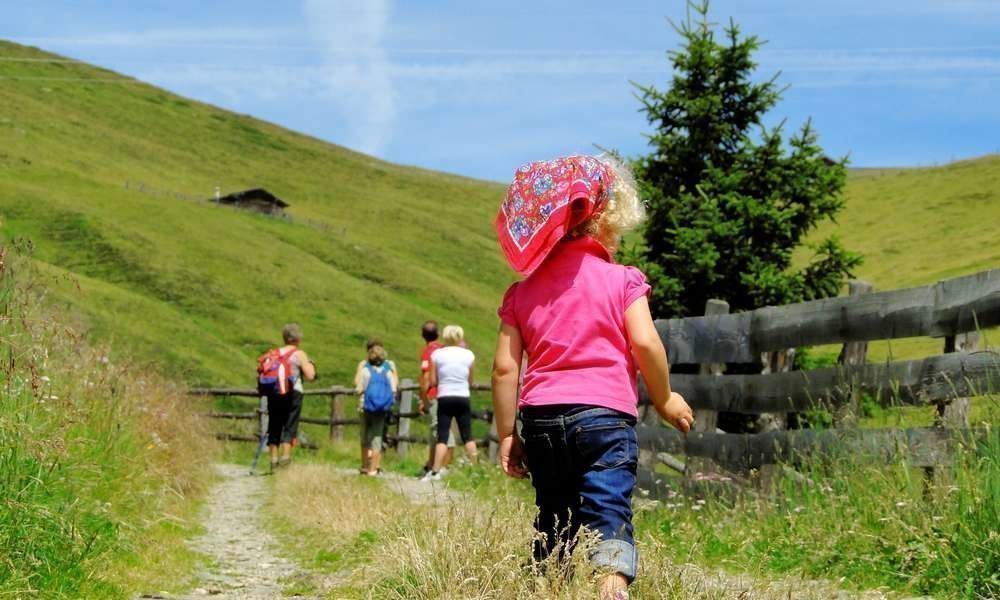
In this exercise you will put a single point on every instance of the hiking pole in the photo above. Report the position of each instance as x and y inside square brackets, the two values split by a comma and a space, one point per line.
[262, 434]
[260, 450]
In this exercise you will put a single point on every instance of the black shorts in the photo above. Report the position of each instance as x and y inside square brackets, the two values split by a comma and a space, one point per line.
[459, 408]
[283, 417]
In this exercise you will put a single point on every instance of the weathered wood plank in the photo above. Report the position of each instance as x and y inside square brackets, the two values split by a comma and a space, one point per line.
[946, 308]
[932, 379]
[405, 406]
[706, 419]
[921, 446]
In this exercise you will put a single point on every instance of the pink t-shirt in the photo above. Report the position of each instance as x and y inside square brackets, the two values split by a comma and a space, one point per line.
[571, 316]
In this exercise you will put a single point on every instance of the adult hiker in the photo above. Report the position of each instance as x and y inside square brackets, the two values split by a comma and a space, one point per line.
[376, 382]
[451, 372]
[428, 397]
[280, 374]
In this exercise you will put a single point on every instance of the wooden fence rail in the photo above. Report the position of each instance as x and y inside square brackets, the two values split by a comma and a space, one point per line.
[946, 308]
[920, 447]
[926, 381]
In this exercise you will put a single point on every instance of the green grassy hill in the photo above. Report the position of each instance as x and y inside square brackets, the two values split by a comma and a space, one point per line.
[104, 175]
[918, 226]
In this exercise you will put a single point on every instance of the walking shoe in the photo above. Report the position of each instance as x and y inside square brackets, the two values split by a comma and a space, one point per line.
[432, 476]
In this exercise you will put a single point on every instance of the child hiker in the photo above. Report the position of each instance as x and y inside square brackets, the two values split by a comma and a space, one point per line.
[584, 324]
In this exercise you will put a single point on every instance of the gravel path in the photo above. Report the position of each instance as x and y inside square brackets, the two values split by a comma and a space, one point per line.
[245, 563]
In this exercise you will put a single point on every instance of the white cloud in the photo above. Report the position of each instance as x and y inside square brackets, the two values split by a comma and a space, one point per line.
[357, 70]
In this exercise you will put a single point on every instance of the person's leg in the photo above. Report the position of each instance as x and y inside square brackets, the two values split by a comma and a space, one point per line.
[432, 414]
[450, 454]
[608, 457]
[379, 422]
[556, 493]
[439, 453]
[276, 414]
[445, 411]
[464, 417]
[290, 431]
[366, 431]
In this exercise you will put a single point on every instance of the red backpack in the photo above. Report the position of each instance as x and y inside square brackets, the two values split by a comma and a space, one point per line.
[274, 372]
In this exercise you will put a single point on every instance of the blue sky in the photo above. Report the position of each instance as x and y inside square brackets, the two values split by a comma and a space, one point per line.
[478, 88]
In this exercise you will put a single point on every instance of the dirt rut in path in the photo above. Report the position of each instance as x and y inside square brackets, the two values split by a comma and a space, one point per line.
[244, 562]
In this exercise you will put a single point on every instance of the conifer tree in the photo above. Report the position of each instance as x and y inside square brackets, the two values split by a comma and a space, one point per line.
[728, 200]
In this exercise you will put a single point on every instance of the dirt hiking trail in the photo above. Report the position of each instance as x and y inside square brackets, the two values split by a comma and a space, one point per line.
[244, 560]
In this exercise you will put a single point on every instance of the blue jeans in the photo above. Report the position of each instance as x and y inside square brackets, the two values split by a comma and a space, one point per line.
[583, 466]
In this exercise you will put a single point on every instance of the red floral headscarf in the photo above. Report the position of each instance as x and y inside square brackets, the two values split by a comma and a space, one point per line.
[538, 209]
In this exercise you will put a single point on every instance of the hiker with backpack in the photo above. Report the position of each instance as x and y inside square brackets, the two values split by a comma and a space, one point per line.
[376, 382]
[451, 372]
[280, 372]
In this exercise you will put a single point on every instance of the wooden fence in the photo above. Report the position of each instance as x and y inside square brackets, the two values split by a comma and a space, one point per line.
[401, 417]
[955, 310]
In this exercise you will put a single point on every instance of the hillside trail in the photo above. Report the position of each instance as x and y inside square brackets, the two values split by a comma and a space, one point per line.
[246, 563]
[244, 558]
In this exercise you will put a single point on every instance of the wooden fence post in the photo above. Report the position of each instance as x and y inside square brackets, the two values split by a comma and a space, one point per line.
[853, 354]
[336, 414]
[405, 406]
[262, 418]
[779, 361]
[954, 412]
[705, 420]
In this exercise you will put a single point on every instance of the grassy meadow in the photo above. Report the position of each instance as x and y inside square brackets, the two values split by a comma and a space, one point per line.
[132, 284]
[108, 181]
[101, 462]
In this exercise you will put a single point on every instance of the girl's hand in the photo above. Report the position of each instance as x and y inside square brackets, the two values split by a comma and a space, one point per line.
[512, 457]
[677, 412]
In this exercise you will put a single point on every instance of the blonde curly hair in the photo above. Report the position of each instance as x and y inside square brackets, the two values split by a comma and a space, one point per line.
[623, 212]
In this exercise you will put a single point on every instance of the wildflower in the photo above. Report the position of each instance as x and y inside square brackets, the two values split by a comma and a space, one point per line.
[700, 501]
[900, 504]
[799, 509]
[696, 507]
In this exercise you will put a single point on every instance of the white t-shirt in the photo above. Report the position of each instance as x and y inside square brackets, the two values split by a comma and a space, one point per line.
[453, 364]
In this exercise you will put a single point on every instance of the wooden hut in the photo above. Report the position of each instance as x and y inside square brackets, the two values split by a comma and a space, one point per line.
[257, 199]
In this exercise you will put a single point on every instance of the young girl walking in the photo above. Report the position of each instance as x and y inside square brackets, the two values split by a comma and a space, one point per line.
[584, 324]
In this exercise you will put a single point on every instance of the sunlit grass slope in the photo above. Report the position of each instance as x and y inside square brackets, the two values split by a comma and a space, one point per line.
[918, 226]
[371, 249]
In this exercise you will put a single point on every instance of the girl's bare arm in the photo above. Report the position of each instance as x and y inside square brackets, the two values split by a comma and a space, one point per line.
[506, 372]
[652, 360]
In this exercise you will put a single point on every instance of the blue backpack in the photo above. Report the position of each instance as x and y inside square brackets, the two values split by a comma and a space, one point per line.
[378, 394]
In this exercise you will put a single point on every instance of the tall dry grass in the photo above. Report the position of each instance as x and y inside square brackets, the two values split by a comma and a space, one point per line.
[372, 539]
[99, 457]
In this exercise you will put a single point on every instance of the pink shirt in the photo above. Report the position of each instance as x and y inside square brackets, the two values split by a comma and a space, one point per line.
[571, 316]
